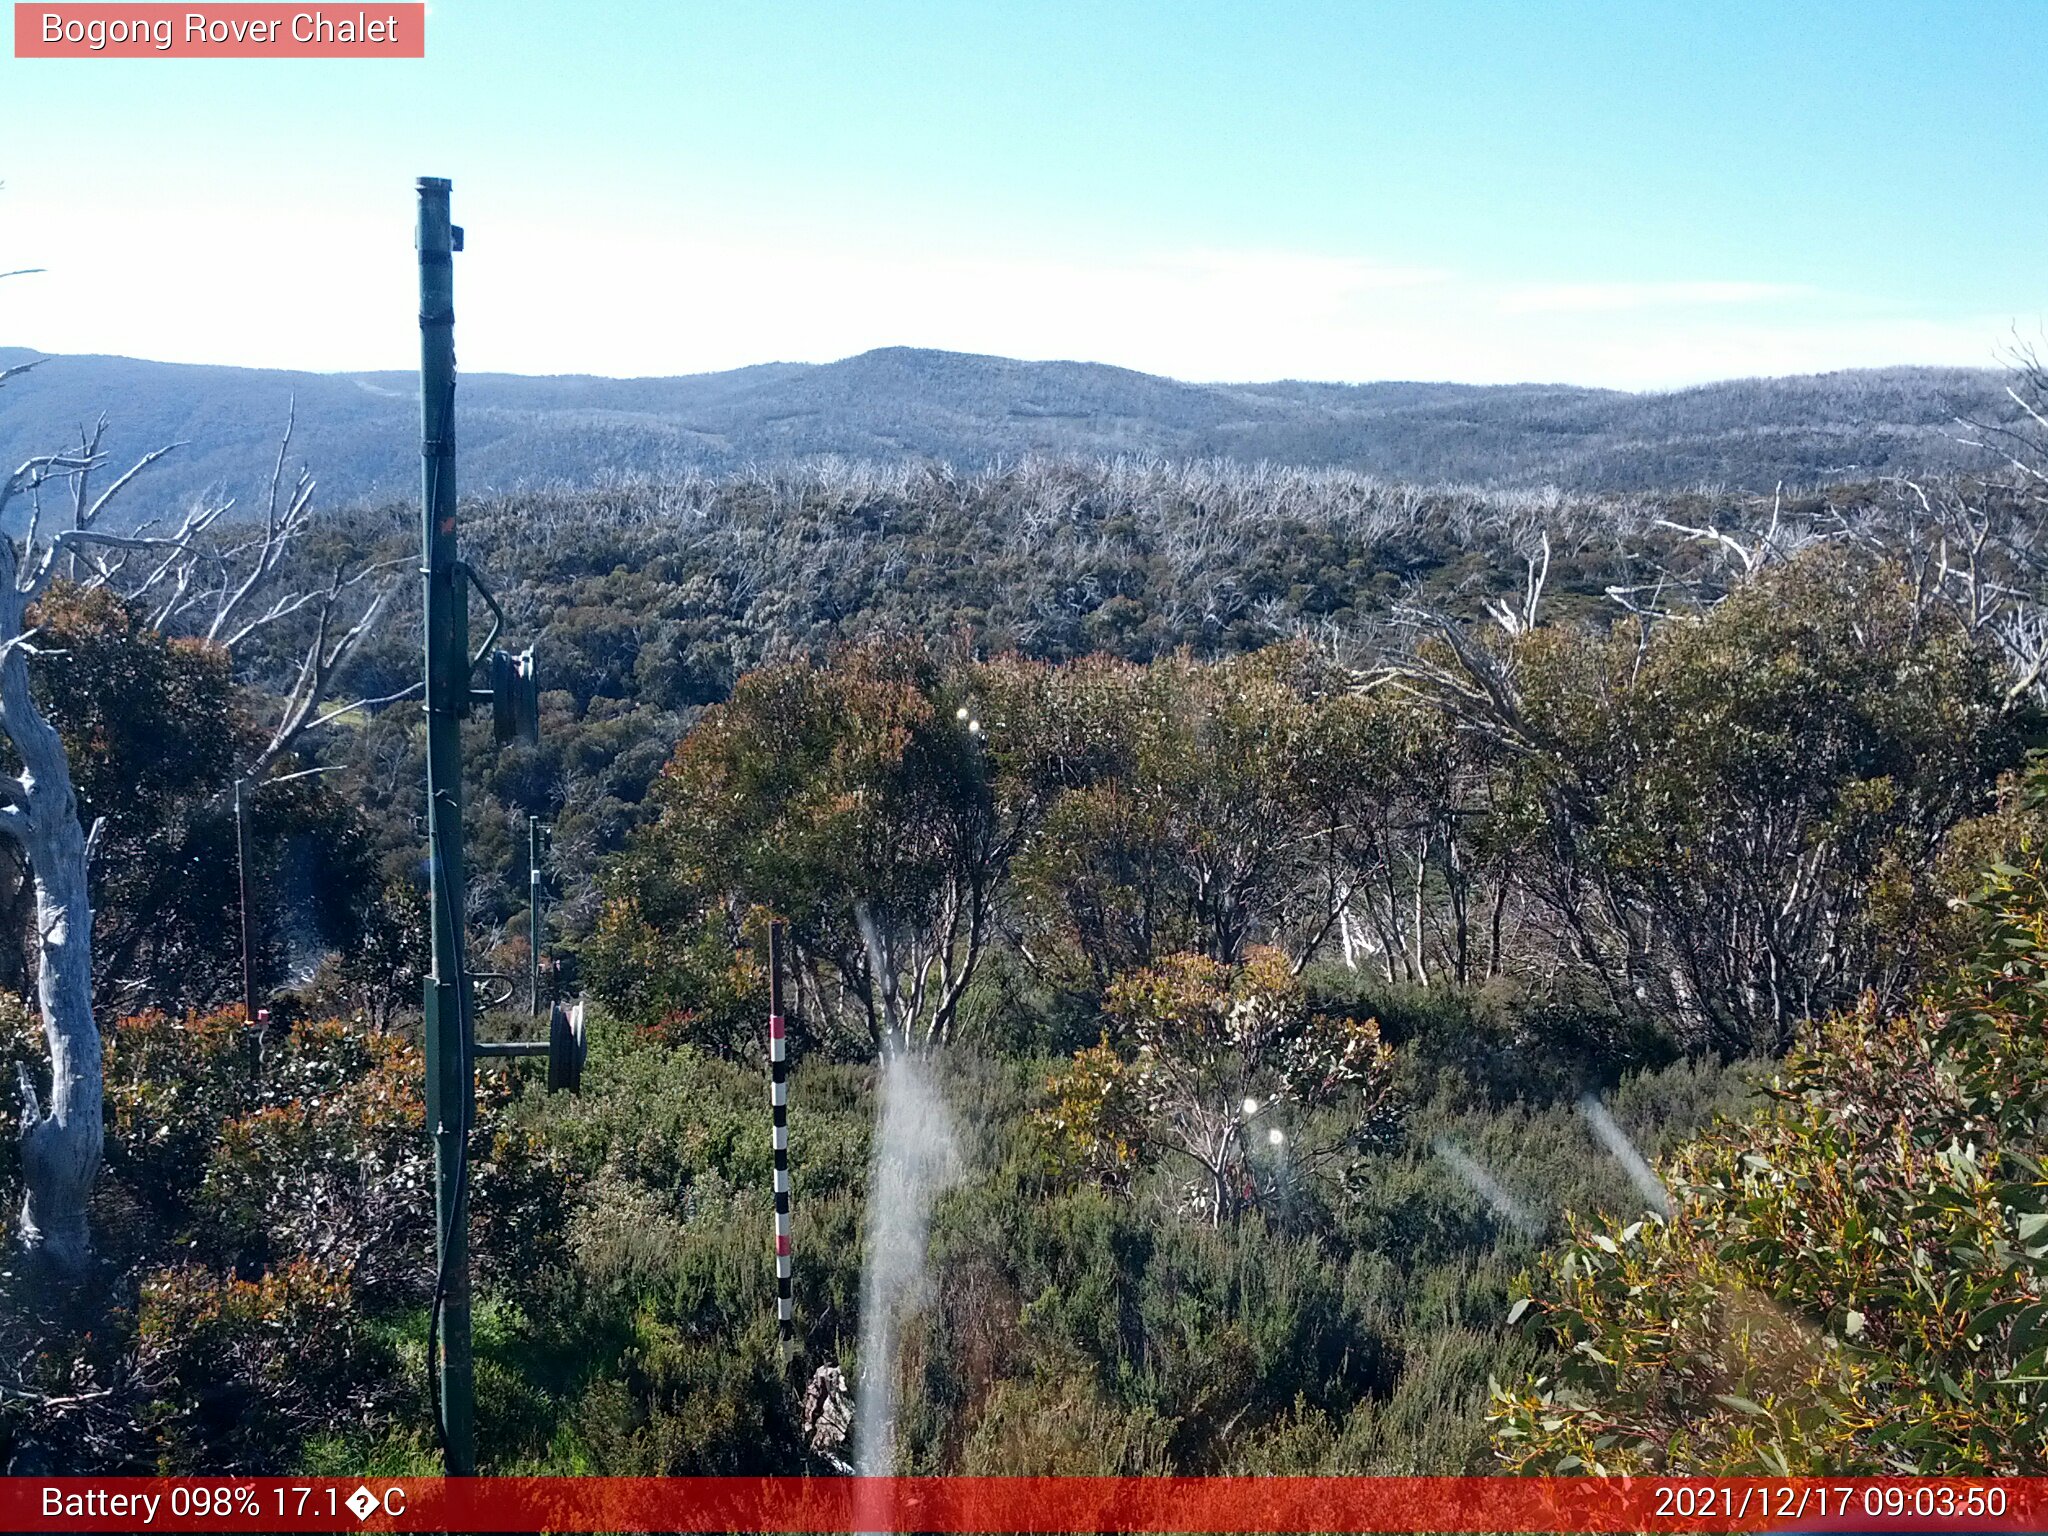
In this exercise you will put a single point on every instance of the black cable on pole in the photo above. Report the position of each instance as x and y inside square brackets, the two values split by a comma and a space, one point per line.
[458, 1203]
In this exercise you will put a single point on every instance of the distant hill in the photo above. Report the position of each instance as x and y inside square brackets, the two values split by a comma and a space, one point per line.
[359, 431]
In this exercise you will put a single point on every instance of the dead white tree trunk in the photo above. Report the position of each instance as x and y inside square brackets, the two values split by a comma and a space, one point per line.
[60, 1140]
[60, 1148]
[61, 1136]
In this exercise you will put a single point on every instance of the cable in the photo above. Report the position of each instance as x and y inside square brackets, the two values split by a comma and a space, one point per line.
[458, 1204]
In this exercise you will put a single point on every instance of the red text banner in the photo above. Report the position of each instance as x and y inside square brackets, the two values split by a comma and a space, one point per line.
[1004, 1504]
[220, 31]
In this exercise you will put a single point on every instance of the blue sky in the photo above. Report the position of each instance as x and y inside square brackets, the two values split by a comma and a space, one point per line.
[1639, 195]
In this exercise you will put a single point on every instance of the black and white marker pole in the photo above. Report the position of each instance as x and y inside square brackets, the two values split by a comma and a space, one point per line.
[778, 1103]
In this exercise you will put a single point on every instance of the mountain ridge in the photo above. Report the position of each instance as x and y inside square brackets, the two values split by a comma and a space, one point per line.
[357, 430]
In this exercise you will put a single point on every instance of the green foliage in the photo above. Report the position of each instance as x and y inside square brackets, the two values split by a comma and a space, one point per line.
[1707, 832]
[171, 1083]
[1853, 1281]
[855, 800]
[1501, 1040]
[1546, 862]
[1069, 1328]
[626, 1290]
[1206, 808]
[268, 1222]
[291, 1173]
[307, 1143]
[1169, 837]
[155, 728]
[241, 1369]
[1226, 1072]
[380, 973]
[329, 1161]
[1741, 815]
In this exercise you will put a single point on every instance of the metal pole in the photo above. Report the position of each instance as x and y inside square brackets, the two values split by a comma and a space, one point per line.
[533, 897]
[242, 884]
[778, 1101]
[451, 1079]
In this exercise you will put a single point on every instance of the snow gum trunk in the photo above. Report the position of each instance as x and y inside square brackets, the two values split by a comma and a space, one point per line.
[60, 1140]
[61, 1146]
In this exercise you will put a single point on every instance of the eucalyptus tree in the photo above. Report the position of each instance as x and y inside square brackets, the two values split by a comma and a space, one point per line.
[860, 801]
[1729, 817]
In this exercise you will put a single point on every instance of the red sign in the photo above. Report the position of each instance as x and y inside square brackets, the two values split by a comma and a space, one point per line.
[236, 31]
[1048, 1504]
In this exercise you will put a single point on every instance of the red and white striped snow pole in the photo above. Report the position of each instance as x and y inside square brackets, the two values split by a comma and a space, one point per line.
[778, 1102]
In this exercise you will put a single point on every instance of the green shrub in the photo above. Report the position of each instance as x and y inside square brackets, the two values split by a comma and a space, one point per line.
[1854, 1281]
[241, 1370]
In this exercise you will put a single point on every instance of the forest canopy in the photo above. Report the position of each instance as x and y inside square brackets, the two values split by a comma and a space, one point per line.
[1315, 898]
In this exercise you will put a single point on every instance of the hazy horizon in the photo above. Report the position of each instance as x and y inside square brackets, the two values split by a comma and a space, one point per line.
[1614, 195]
[1995, 364]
